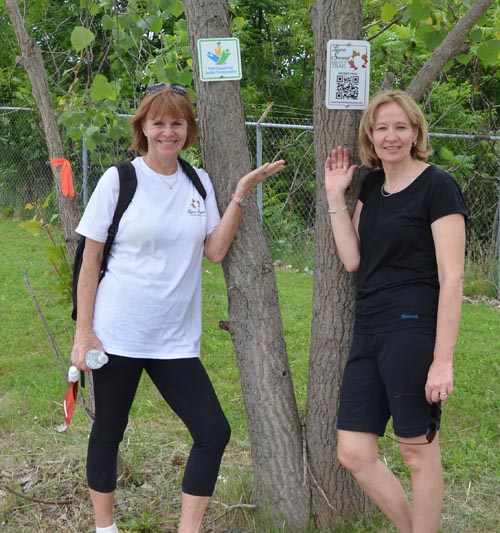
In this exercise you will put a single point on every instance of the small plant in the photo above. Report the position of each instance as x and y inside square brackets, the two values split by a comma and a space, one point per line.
[55, 251]
[481, 278]
[142, 524]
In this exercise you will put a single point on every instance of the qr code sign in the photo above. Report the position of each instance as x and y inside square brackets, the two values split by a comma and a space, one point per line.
[347, 87]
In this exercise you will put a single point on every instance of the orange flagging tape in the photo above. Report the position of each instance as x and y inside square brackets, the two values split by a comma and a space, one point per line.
[66, 176]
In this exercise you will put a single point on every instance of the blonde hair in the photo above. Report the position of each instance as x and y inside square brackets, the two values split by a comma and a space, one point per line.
[158, 104]
[420, 149]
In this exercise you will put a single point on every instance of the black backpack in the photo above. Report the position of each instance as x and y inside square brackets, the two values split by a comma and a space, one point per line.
[128, 184]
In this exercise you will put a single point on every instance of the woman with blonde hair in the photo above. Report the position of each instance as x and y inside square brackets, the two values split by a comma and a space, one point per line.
[406, 241]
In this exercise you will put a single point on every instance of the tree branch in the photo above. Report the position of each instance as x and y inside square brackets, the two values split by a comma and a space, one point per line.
[53, 343]
[451, 46]
[228, 509]
[36, 500]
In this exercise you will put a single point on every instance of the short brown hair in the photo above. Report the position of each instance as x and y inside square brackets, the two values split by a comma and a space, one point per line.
[366, 151]
[155, 105]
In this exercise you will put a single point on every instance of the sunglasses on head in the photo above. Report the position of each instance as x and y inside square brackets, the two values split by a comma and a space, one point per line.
[430, 434]
[177, 88]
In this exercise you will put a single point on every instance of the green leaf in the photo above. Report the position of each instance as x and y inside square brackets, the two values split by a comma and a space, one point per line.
[156, 25]
[101, 89]
[123, 39]
[388, 12]
[54, 253]
[81, 37]
[115, 132]
[433, 39]
[108, 23]
[238, 23]
[464, 59]
[127, 21]
[176, 8]
[185, 77]
[90, 144]
[32, 226]
[489, 51]
[138, 31]
[46, 202]
[417, 11]
[476, 36]
[95, 8]
[91, 130]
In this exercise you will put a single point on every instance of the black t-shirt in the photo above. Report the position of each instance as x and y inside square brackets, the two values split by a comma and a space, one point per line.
[397, 281]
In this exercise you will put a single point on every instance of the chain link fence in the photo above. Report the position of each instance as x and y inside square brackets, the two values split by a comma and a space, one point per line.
[286, 200]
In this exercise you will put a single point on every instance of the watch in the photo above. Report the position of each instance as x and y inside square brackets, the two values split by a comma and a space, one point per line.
[242, 201]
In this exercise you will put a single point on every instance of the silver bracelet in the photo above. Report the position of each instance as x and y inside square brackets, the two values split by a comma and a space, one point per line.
[333, 211]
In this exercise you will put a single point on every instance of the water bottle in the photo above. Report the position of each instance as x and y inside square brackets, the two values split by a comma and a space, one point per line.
[73, 374]
[95, 359]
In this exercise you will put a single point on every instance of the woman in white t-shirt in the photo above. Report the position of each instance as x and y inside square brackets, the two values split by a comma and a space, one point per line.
[146, 312]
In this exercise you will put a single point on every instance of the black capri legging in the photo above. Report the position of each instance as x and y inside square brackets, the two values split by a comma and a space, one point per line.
[186, 387]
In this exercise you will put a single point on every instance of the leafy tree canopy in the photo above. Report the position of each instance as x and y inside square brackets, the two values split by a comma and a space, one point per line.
[101, 54]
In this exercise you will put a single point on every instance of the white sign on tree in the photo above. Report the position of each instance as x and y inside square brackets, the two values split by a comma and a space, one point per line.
[219, 59]
[347, 74]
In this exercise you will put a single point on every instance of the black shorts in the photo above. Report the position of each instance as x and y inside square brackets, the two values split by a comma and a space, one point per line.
[385, 376]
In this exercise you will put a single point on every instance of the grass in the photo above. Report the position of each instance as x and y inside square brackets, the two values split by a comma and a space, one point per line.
[41, 462]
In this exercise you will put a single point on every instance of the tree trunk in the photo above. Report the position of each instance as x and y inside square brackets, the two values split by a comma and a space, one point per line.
[32, 61]
[335, 493]
[254, 315]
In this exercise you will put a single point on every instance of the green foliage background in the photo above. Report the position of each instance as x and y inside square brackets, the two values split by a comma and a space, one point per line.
[101, 54]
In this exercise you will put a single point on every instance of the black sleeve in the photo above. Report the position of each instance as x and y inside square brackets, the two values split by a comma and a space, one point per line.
[446, 197]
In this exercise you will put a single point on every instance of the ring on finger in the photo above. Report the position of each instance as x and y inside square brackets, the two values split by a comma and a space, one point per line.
[345, 167]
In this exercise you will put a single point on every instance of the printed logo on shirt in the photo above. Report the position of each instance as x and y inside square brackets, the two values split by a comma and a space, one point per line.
[407, 316]
[196, 208]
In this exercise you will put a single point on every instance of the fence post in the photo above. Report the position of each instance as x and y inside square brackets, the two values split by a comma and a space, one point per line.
[498, 226]
[258, 162]
[85, 174]
[258, 155]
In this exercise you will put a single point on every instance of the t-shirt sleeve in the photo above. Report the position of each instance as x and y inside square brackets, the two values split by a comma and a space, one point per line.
[446, 198]
[100, 209]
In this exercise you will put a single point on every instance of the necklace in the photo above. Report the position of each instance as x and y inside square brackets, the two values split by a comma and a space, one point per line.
[387, 194]
[170, 183]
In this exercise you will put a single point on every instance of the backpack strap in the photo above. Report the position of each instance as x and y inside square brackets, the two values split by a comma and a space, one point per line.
[128, 185]
[193, 176]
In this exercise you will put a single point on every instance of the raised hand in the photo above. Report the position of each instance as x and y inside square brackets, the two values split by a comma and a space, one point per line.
[338, 172]
[249, 181]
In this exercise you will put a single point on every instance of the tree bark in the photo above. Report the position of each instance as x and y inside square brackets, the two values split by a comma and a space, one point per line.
[451, 46]
[254, 316]
[335, 493]
[32, 61]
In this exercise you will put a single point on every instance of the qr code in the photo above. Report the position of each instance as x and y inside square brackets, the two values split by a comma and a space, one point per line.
[347, 87]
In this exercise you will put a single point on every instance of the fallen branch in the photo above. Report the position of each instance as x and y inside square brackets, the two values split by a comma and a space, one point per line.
[321, 491]
[36, 500]
[228, 509]
[53, 343]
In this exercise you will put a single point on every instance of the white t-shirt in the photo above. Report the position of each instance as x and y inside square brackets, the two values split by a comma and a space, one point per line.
[149, 302]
